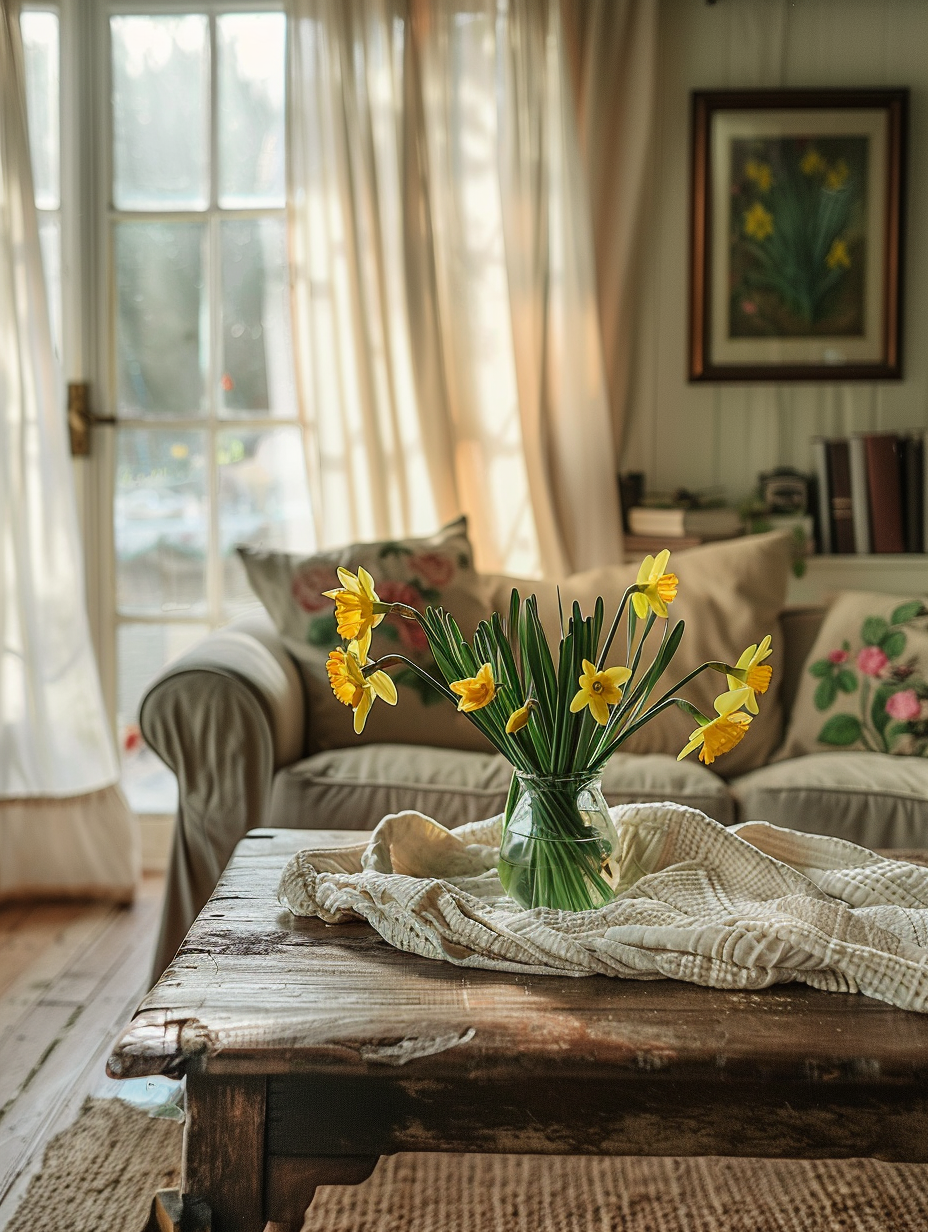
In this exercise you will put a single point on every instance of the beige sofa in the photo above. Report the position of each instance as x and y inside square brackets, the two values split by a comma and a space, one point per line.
[230, 719]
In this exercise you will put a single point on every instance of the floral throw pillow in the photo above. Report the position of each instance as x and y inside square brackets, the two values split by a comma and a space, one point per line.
[865, 682]
[436, 571]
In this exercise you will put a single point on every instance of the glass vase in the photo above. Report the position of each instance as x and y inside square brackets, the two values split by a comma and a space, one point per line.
[560, 847]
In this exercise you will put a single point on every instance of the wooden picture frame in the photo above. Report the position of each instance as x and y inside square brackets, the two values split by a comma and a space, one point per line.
[797, 234]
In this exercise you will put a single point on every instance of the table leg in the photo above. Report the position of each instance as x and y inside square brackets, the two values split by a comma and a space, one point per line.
[292, 1180]
[224, 1151]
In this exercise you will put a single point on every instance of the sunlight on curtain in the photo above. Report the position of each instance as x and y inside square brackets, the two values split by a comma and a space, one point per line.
[444, 286]
[64, 826]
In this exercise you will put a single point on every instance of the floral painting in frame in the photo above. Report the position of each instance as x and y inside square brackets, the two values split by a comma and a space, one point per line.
[797, 205]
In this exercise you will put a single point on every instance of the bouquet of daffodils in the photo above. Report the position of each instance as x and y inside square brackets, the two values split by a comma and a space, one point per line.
[557, 719]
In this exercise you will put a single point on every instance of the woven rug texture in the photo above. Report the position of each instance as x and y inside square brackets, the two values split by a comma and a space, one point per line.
[99, 1176]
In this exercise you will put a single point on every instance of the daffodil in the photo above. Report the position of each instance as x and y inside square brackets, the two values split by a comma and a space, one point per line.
[758, 222]
[518, 719]
[838, 255]
[354, 607]
[721, 734]
[753, 673]
[660, 588]
[352, 687]
[836, 176]
[812, 162]
[760, 173]
[477, 691]
[599, 690]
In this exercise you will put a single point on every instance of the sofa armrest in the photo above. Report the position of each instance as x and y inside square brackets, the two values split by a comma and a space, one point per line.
[224, 717]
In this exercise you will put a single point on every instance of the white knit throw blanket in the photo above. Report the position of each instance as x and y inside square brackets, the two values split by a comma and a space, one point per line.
[742, 908]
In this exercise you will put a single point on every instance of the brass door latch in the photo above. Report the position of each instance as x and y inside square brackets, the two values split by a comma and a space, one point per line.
[81, 418]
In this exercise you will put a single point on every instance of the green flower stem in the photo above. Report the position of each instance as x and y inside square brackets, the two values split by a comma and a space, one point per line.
[614, 627]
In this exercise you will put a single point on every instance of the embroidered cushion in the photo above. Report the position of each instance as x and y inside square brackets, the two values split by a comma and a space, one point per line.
[438, 571]
[865, 682]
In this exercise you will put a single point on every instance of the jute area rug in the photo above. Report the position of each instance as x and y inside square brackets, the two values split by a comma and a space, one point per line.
[100, 1174]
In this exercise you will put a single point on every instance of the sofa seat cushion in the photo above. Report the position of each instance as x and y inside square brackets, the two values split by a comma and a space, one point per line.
[352, 789]
[870, 798]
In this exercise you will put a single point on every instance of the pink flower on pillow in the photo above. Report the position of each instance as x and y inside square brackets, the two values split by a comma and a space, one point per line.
[871, 660]
[904, 706]
[308, 585]
[437, 570]
[838, 657]
[412, 635]
[399, 592]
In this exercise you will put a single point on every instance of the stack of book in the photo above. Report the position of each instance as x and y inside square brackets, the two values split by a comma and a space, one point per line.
[871, 492]
[652, 529]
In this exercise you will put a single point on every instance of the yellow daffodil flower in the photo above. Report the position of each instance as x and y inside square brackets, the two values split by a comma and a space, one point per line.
[838, 255]
[660, 588]
[599, 690]
[760, 173]
[721, 734]
[758, 222]
[812, 162]
[754, 673]
[518, 719]
[477, 691]
[353, 688]
[354, 608]
[836, 176]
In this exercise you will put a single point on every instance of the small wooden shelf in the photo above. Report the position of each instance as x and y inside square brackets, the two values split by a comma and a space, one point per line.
[903, 574]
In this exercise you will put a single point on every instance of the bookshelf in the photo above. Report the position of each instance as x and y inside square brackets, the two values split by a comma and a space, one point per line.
[903, 574]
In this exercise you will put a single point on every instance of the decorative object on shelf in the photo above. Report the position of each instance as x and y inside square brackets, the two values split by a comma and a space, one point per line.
[556, 723]
[631, 493]
[796, 229]
[784, 491]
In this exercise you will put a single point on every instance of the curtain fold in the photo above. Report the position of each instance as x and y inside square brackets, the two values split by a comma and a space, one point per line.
[64, 825]
[445, 283]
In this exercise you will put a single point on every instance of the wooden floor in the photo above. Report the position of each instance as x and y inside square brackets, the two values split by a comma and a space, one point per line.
[71, 975]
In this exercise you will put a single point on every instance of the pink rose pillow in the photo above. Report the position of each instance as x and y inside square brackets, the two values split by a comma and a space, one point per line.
[865, 682]
[437, 571]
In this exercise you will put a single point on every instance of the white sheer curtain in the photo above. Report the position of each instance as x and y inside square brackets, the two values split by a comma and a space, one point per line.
[446, 316]
[64, 825]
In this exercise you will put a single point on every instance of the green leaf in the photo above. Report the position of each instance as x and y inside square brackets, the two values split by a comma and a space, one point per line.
[874, 630]
[821, 667]
[896, 729]
[846, 681]
[907, 611]
[893, 644]
[879, 715]
[323, 631]
[826, 693]
[840, 730]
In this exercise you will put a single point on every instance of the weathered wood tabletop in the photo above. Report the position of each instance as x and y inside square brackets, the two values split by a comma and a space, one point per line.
[325, 1047]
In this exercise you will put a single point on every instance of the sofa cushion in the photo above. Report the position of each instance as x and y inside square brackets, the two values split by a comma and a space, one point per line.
[730, 595]
[869, 798]
[865, 682]
[437, 571]
[354, 788]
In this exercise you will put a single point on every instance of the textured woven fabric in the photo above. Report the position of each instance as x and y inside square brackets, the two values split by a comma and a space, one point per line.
[100, 1175]
[743, 908]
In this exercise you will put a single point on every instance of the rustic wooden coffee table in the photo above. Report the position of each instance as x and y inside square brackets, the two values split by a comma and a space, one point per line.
[310, 1050]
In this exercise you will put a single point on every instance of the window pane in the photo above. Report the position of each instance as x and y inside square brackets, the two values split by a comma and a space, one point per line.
[161, 318]
[141, 652]
[160, 112]
[251, 109]
[257, 362]
[40, 45]
[161, 521]
[263, 500]
[50, 241]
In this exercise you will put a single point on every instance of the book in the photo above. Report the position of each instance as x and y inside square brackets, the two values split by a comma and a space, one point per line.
[706, 523]
[884, 478]
[839, 490]
[638, 546]
[860, 495]
[824, 500]
[913, 493]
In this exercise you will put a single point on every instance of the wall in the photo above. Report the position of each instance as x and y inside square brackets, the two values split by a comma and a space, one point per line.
[706, 435]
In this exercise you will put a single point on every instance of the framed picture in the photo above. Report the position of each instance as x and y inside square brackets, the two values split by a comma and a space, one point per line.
[797, 212]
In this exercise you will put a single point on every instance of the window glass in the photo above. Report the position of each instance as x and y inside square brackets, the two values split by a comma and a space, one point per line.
[251, 109]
